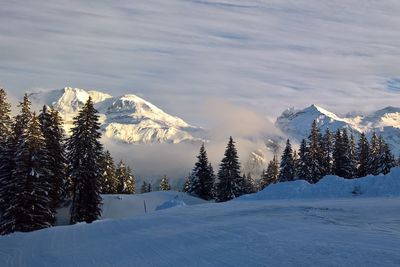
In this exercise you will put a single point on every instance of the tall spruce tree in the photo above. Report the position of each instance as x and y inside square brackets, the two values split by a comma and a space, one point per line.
[353, 162]
[327, 150]
[231, 183]
[315, 156]
[270, 176]
[202, 182]
[304, 162]
[6, 149]
[84, 157]
[341, 155]
[287, 165]
[30, 208]
[374, 155]
[363, 156]
[51, 125]
[386, 159]
[109, 181]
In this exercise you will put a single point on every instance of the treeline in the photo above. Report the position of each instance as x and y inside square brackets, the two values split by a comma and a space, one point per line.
[319, 155]
[41, 169]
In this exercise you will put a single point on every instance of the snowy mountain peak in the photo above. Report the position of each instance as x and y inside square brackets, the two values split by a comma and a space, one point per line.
[128, 118]
[296, 123]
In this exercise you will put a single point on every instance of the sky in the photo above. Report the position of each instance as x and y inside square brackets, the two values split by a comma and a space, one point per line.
[263, 55]
[230, 66]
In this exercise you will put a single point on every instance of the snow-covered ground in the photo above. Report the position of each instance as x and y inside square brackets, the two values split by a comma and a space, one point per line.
[126, 206]
[328, 226]
[346, 232]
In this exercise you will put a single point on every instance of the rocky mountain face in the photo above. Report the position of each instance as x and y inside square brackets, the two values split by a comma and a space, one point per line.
[126, 118]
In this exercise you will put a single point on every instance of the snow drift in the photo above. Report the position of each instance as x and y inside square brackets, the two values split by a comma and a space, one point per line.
[333, 187]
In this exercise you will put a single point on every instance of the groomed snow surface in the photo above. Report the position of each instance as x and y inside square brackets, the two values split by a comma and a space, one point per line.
[336, 222]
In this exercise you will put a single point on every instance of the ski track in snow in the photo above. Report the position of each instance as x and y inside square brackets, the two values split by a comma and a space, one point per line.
[340, 232]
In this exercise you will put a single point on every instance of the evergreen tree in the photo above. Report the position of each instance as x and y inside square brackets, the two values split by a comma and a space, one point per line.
[315, 156]
[29, 208]
[125, 179]
[202, 182]
[373, 165]
[287, 165]
[250, 184]
[270, 176]
[109, 182]
[363, 156]
[341, 155]
[327, 150]
[6, 149]
[143, 188]
[164, 184]
[187, 185]
[296, 162]
[353, 162]
[230, 184]
[386, 159]
[51, 125]
[84, 157]
[303, 167]
[149, 189]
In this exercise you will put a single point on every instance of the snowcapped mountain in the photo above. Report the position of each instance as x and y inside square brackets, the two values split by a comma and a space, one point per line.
[126, 118]
[296, 123]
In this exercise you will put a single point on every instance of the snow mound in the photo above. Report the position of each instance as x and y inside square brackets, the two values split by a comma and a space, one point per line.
[333, 187]
[171, 204]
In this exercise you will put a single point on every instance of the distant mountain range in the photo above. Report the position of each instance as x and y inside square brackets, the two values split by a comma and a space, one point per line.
[131, 119]
[126, 118]
[296, 124]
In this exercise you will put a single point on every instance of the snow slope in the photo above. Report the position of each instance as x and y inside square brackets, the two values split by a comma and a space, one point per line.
[324, 226]
[297, 123]
[333, 187]
[126, 118]
[126, 206]
[349, 232]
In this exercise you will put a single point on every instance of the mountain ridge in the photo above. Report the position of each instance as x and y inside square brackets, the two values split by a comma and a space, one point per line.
[127, 118]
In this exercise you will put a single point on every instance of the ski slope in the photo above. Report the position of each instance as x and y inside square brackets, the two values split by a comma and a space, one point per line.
[126, 206]
[331, 232]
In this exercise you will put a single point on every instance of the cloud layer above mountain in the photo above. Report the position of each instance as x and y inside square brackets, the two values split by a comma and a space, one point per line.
[265, 54]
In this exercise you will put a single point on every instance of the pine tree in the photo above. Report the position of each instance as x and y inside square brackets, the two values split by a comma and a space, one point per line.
[125, 179]
[149, 189]
[353, 162]
[202, 182]
[270, 176]
[164, 184]
[6, 157]
[143, 188]
[109, 182]
[327, 150]
[287, 165]
[304, 162]
[341, 155]
[373, 165]
[363, 156]
[386, 159]
[84, 157]
[250, 184]
[230, 184]
[51, 125]
[30, 208]
[188, 184]
[315, 156]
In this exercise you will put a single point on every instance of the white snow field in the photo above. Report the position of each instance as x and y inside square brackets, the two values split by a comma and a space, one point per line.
[125, 206]
[319, 230]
